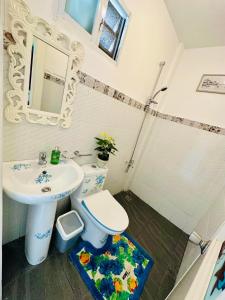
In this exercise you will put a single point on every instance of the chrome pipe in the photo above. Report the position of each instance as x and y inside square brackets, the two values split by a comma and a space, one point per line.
[78, 154]
[161, 66]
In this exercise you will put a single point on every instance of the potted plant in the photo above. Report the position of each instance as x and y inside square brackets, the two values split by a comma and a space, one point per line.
[105, 146]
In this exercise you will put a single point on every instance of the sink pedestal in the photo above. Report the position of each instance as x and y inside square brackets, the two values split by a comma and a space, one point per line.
[40, 187]
[40, 222]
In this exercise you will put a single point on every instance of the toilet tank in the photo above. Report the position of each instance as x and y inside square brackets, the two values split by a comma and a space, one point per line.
[94, 179]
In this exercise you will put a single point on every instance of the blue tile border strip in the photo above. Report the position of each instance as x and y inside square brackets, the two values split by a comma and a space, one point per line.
[187, 122]
[101, 87]
[105, 89]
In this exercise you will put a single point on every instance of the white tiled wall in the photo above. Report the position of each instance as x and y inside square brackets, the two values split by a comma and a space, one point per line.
[182, 169]
[93, 113]
[182, 100]
[181, 172]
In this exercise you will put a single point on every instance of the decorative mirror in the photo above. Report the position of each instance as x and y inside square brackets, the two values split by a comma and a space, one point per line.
[42, 71]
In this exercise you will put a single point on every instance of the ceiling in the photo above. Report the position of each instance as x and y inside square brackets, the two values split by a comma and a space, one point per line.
[199, 23]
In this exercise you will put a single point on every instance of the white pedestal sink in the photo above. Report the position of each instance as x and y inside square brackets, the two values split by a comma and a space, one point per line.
[40, 187]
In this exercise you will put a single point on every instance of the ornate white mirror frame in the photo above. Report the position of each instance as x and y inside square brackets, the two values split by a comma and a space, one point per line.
[23, 28]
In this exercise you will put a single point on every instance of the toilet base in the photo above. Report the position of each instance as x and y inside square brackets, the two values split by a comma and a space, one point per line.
[94, 236]
[95, 232]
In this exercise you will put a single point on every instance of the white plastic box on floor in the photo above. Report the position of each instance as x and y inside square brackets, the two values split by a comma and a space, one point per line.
[69, 227]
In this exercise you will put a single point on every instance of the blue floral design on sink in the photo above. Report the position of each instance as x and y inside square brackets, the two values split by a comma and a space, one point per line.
[43, 178]
[45, 235]
[19, 167]
[62, 195]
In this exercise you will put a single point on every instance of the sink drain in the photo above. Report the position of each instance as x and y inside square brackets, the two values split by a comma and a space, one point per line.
[46, 189]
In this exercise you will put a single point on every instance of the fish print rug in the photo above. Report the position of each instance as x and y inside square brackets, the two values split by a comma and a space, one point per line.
[118, 271]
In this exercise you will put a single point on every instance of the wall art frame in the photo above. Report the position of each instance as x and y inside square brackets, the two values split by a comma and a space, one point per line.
[212, 83]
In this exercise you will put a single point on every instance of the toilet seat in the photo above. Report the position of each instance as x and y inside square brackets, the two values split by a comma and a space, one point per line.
[104, 209]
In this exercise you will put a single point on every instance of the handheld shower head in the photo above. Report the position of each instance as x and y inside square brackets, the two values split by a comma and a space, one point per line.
[164, 89]
[162, 63]
[151, 100]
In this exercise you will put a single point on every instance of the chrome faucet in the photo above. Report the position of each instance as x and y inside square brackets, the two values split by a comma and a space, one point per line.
[42, 158]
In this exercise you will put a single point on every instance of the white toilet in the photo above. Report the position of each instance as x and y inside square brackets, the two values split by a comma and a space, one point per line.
[100, 211]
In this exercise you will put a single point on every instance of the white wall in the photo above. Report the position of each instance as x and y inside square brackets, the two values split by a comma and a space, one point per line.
[180, 173]
[52, 96]
[182, 169]
[150, 38]
[182, 99]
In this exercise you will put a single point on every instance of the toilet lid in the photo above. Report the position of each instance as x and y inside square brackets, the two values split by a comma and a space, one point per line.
[104, 208]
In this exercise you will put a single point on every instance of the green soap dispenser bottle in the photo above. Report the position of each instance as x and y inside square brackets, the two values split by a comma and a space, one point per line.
[55, 156]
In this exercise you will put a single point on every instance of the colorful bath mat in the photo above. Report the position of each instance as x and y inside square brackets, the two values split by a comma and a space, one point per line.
[118, 271]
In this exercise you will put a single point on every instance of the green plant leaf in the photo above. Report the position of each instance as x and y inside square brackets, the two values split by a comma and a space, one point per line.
[114, 148]
[93, 273]
[123, 295]
[100, 143]
[100, 149]
[106, 146]
[98, 283]
[114, 296]
[145, 263]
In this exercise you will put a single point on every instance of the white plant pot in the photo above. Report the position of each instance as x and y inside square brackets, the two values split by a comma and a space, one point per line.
[101, 163]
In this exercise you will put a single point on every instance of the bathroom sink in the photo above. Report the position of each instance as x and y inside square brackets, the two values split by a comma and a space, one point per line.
[29, 183]
[40, 187]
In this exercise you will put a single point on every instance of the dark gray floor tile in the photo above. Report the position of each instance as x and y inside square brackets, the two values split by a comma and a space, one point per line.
[56, 278]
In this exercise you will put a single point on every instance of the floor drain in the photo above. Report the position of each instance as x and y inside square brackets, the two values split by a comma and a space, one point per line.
[128, 198]
[46, 189]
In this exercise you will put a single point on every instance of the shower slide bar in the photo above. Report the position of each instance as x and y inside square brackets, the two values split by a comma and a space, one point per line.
[150, 101]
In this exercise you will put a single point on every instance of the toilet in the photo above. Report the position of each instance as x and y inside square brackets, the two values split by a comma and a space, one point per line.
[100, 211]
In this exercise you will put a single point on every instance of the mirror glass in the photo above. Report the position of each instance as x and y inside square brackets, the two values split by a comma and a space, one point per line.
[48, 70]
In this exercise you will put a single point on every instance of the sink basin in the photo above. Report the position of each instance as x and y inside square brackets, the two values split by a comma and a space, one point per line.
[40, 187]
[29, 183]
